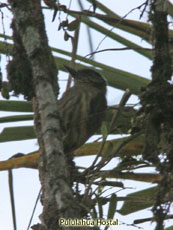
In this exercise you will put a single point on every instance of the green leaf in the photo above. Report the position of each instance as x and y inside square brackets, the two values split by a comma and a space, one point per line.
[138, 28]
[17, 134]
[100, 207]
[115, 77]
[117, 37]
[138, 201]
[16, 118]
[5, 90]
[108, 150]
[112, 206]
[16, 106]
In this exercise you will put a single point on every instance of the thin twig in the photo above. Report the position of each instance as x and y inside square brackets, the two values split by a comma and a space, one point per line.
[117, 49]
[101, 164]
[36, 202]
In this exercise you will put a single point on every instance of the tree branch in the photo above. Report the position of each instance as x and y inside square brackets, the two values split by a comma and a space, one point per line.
[57, 196]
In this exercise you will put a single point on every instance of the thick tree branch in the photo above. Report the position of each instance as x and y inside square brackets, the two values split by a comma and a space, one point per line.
[156, 111]
[57, 195]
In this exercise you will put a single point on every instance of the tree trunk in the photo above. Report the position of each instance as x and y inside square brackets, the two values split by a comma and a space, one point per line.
[57, 197]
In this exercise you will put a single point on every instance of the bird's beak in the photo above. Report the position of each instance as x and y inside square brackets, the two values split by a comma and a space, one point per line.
[72, 71]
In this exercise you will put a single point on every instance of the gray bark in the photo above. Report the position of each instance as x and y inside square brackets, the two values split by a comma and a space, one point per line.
[57, 195]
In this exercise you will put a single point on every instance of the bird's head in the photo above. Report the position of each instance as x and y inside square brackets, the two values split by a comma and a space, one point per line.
[87, 76]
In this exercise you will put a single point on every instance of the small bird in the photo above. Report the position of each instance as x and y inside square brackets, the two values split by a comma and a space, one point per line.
[82, 107]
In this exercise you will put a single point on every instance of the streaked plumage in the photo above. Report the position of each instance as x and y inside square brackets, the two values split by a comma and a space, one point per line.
[82, 107]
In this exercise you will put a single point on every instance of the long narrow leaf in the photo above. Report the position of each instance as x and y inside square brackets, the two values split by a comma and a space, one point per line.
[116, 78]
[139, 201]
[112, 206]
[17, 133]
[16, 118]
[116, 37]
[16, 106]
[138, 28]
